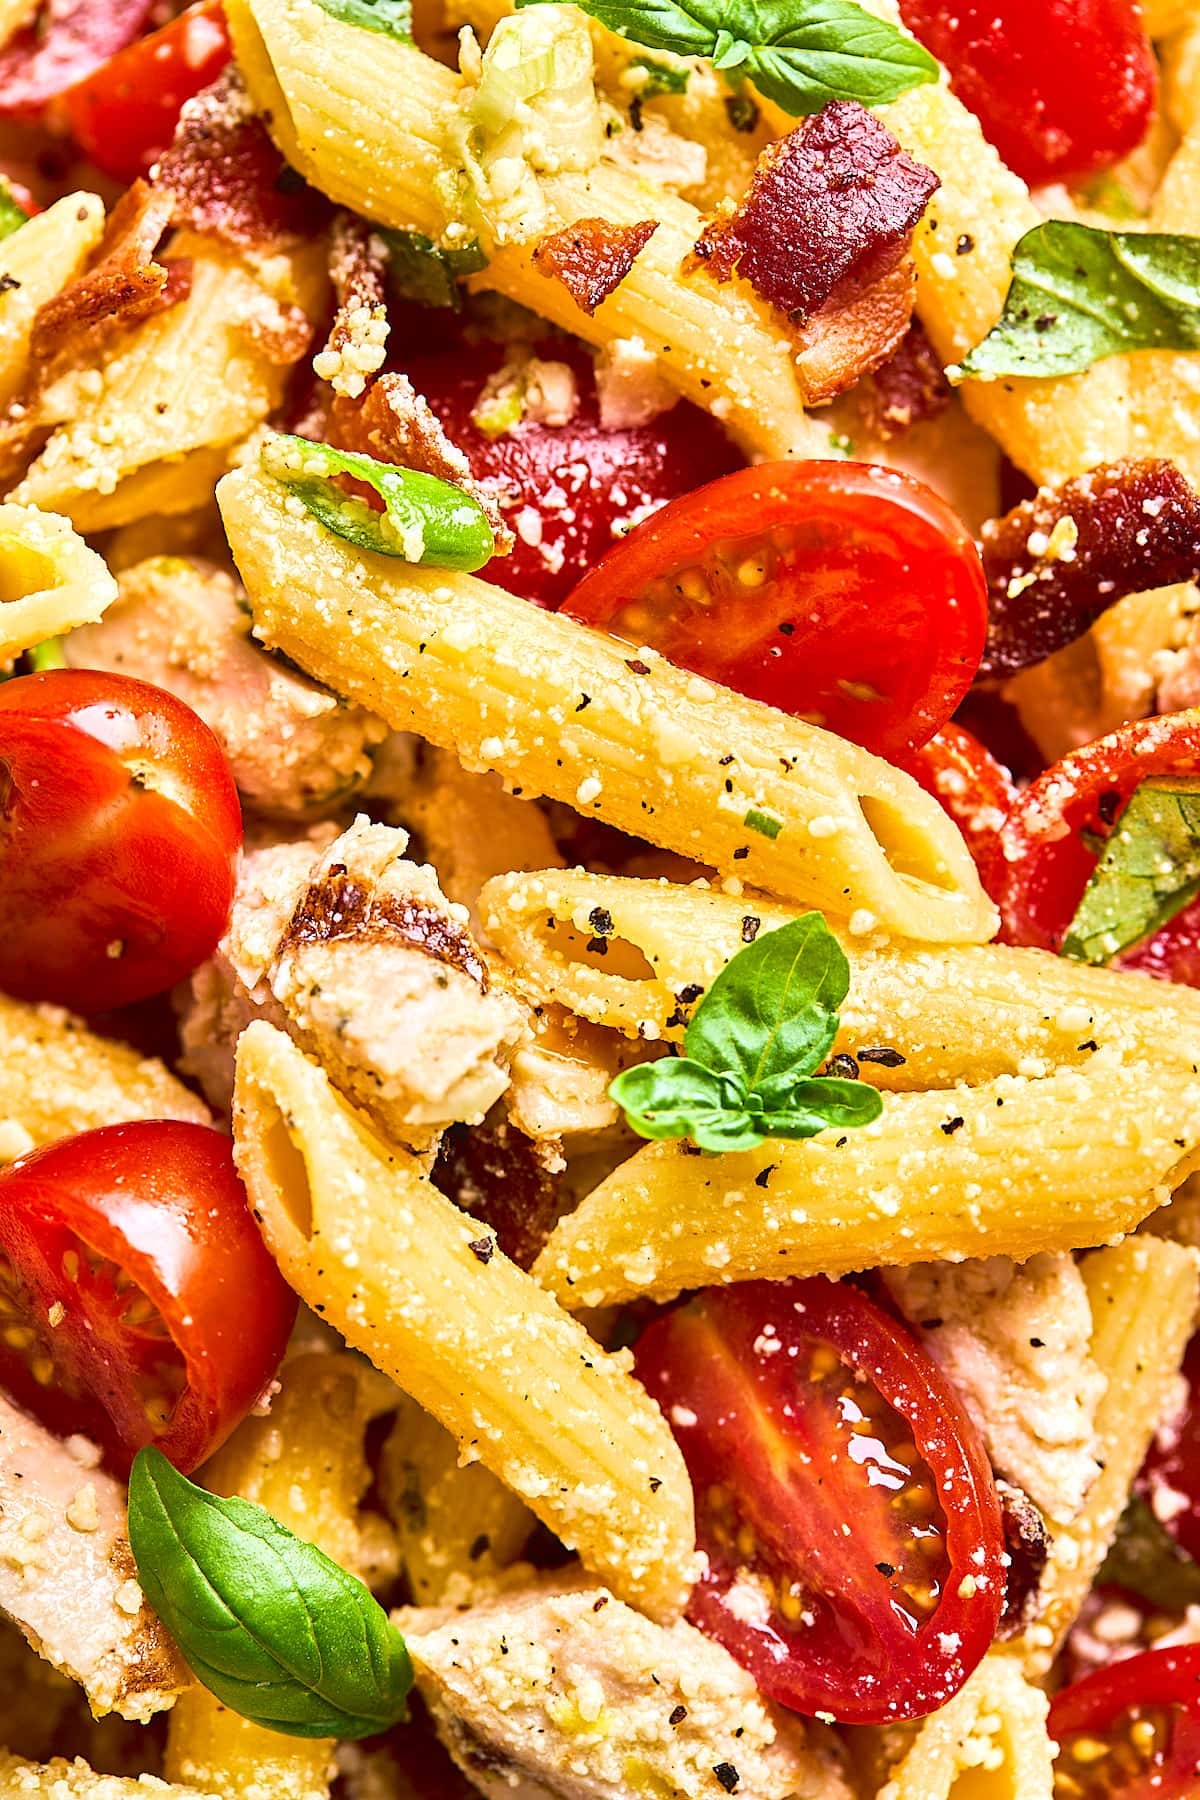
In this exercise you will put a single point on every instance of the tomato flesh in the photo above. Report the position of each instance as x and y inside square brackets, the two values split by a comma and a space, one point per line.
[1170, 1475]
[119, 830]
[64, 41]
[844, 1501]
[124, 114]
[846, 594]
[1062, 88]
[138, 1303]
[1131, 1731]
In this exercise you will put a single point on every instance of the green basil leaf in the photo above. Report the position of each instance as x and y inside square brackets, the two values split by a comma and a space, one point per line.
[772, 1011]
[1145, 1558]
[1079, 294]
[270, 1624]
[424, 520]
[425, 272]
[799, 53]
[826, 1104]
[674, 1097]
[392, 18]
[12, 213]
[1149, 870]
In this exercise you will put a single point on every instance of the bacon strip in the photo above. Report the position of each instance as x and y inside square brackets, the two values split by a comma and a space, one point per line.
[1058, 561]
[907, 389]
[123, 285]
[497, 1174]
[592, 257]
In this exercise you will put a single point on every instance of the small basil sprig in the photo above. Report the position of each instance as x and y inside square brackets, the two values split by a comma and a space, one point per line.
[799, 53]
[426, 273]
[1149, 870]
[768, 1020]
[424, 520]
[12, 213]
[391, 18]
[270, 1625]
[1079, 294]
[1145, 1558]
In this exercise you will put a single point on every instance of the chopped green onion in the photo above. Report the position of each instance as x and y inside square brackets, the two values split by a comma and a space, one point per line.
[47, 655]
[769, 826]
[426, 272]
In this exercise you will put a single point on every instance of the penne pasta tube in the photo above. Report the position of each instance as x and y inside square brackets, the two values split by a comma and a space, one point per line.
[565, 711]
[62, 1780]
[989, 1741]
[421, 1289]
[621, 953]
[35, 263]
[1163, 17]
[1004, 1169]
[50, 581]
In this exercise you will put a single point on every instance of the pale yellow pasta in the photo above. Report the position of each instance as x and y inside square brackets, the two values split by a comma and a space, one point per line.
[39, 259]
[1008, 1168]
[1143, 1295]
[304, 1462]
[660, 940]
[366, 118]
[1163, 17]
[1180, 58]
[186, 383]
[357, 1228]
[989, 1743]
[61, 1780]
[454, 1525]
[559, 710]
[57, 1078]
[50, 581]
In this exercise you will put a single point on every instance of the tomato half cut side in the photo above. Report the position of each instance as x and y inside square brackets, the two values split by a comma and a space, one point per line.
[119, 831]
[138, 1301]
[843, 1498]
[1131, 1731]
[846, 594]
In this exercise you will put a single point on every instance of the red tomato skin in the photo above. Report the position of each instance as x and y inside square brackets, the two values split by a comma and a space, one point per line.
[1043, 864]
[1062, 88]
[91, 857]
[1173, 1463]
[123, 115]
[892, 577]
[163, 1200]
[65, 42]
[705, 1365]
[967, 781]
[1168, 1679]
[596, 477]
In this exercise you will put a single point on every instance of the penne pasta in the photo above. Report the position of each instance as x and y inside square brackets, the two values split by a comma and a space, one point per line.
[35, 263]
[990, 1742]
[1005, 1169]
[62, 1780]
[565, 711]
[50, 581]
[422, 1290]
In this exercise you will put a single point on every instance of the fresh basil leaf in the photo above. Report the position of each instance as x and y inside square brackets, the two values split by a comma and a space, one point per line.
[392, 18]
[827, 1104]
[1145, 1558]
[424, 520]
[12, 213]
[1149, 870]
[772, 1011]
[1079, 294]
[799, 53]
[675, 1097]
[425, 272]
[270, 1624]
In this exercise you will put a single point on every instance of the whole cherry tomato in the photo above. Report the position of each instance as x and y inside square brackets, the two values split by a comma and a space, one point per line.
[847, 594]
[119, 831]
[1062, 88]
[844, 1500]
[977, 791]
[64, 41]
[1131, 1731]
[140, 1304]
[124, 114]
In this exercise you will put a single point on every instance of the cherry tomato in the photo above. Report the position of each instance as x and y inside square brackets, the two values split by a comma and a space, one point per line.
[1170, 1477]
[977, 791]
[844, 1500]
[847, 594]
[119, 830]
[139, 1302]
[567, 490]
[124, 114]
[64, 41]
[1131, 1731]
[1061, 87]
[1044, 861]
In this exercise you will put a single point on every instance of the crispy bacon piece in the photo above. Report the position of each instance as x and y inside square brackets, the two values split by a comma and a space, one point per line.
[1027, 1544]
[497, 1174]
[1056, 562]
[907, 389]
[592, 257]
[843, 343]
[64, 41]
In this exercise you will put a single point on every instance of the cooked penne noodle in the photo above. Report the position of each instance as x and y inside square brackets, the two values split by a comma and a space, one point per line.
[562, 710]
[421, 1289]
[35, 263]
[621, 953]
[1163, 17]
[50, 581]
[61, 1780]
[1003, 1169]
[989, 1741]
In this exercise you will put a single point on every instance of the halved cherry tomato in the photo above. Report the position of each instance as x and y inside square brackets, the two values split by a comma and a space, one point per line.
[1061, 87]
[139, 1303]
[119, 830]
[844, 1500]
[847, 594]
[124, 115]
[1170, 1476]
[976, 790]
[65, 41]
[1044, 861]
[1131, 1731]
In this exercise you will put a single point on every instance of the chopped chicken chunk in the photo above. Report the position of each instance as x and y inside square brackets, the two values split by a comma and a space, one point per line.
[358, 954]
[179, 623]
[67, 1575]
[1015, 1340]
[557, 1691]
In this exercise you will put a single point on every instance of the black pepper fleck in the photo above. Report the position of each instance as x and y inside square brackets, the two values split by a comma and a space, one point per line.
[678, 1715]
[883, 1054]
[483, 1248]
[750, 925]
[727, 1775]
[949, 1126]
